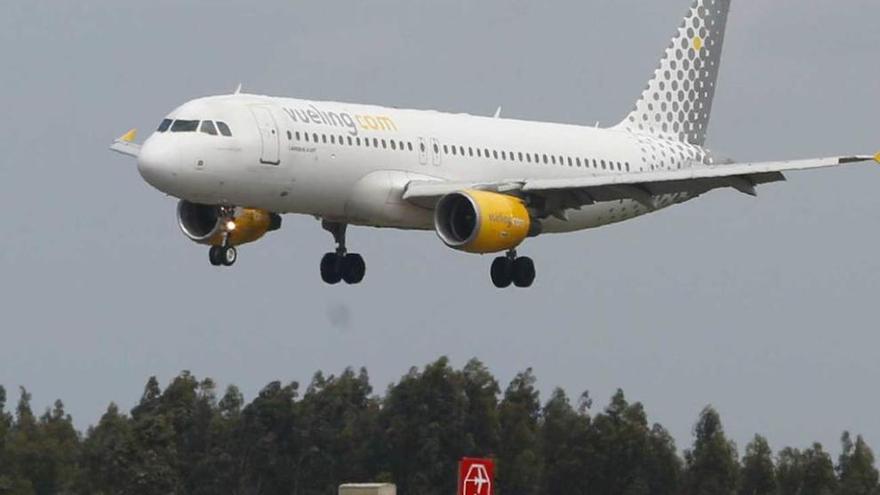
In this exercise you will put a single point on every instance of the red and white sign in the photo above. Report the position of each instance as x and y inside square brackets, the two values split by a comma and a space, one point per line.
[476, 476]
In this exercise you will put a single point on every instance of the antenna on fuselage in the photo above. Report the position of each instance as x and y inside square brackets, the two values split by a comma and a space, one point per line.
[237, 89]
[497, 113]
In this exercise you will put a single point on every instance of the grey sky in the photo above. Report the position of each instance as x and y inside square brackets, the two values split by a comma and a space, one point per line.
[765, 308]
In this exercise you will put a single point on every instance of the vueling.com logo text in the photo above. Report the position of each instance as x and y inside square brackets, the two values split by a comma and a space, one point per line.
[353, 123]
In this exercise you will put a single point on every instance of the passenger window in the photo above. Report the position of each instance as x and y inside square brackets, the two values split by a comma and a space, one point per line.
[393, 145]
[375, 142]
[485, 152]
[409, 145]
[445, 149]
[350, 141]
[470, 151]
[422, 147]
[384, 144]
[289, 136]
[436, 149]
[324, 138]
[208, 128]
[297, 136]
[224, 129]
[553, 160]
[578, 161]
[454, 151]
[185, 126]
[306, 135]
[520, 156]
[164, 125]
[545, 160]
[495, 154]
[461, 150]
[332, 139]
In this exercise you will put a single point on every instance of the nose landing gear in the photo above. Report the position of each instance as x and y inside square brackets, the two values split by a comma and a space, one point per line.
[224, 254]
[510, 269]
[341, 265]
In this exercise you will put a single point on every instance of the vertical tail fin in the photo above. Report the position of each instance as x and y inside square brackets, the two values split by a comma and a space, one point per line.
[677, 102]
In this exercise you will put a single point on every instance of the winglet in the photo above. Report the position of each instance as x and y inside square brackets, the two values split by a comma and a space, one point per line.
[129, 136]
[125, 144]
[497, 113]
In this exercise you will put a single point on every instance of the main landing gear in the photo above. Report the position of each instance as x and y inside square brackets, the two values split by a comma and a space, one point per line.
[341, 265]
[511, 269]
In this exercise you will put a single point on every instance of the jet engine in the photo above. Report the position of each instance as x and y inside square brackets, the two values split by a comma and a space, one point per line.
[481, 222]
[208, 224]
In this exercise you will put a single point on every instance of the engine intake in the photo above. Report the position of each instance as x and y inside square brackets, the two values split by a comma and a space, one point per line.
[205, 224]
[481, 222]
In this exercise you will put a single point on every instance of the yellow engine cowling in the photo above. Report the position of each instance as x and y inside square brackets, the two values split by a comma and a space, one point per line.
[204, 224]
[481, 222]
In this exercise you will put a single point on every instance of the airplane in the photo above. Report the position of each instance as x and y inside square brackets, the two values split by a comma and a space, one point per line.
[237, 162]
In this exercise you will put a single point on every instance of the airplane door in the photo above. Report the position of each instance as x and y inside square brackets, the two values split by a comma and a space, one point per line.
[270, 140]
[423, 151]
[435, 148]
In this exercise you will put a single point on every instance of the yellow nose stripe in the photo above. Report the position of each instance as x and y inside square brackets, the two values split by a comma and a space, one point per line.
[698, 43]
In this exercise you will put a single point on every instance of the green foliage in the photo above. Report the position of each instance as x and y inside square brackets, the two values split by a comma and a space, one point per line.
[711, 466]
[808, 472]
[183, 440]
[856, 469]
[519, 456]
[758, 476]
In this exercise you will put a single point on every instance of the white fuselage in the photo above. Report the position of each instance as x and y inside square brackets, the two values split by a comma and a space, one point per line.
[350, 163]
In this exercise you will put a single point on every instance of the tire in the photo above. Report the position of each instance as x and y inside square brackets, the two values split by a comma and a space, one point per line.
[228, 255]
[330, 272]
[353, 269]
[523, 272]
[501, 272]
[214, 255]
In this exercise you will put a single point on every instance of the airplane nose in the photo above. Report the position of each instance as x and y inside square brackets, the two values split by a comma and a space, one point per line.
[155, 164]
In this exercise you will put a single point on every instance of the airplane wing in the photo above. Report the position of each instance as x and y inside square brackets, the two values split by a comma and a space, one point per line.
[643, 187]
[125, 144]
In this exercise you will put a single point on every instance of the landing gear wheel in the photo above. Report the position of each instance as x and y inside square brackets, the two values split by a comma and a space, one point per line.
[353, 269]
[330, 272]
[214, 255]
[501, 272]
[523, 272]
[228, 255]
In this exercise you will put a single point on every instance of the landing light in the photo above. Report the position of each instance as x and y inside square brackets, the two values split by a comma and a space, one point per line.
[230, 226]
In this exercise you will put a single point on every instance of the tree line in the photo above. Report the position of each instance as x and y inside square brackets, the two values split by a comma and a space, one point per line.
[189, 439]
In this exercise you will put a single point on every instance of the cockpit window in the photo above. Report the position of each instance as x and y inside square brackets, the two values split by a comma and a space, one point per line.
[164, 125]
[208, 127]
[185, 126]
[224, 129]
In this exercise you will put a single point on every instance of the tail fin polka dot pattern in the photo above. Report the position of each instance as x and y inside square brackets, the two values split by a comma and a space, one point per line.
[677, 102]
